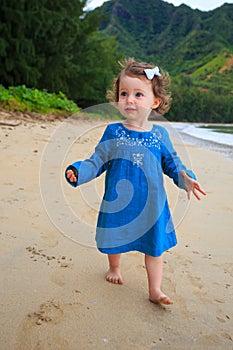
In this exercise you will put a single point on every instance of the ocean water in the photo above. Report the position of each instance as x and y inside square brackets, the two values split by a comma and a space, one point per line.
[205, 138]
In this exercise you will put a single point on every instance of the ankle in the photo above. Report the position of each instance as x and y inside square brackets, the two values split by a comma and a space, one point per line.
[114, 267]
[155, 291]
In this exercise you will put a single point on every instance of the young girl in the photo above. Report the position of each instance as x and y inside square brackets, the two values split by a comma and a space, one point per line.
[134, 214]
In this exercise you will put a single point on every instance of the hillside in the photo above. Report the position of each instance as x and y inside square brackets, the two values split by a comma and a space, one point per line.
[59, 47]
[180, 39]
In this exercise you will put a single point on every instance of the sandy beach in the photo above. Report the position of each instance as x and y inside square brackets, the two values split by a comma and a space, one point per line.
[53, 290]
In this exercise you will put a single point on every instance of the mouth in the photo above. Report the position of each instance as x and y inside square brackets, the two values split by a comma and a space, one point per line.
[130, 109]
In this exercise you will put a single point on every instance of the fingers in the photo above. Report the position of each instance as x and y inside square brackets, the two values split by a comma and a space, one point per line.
[70, 175]
[196, 187]
[196, 195]
[201, 190]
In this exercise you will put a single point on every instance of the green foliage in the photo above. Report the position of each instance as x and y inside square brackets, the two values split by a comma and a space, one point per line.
[213, 66]
[190, 104]
[24, 99]
[179, 39]
[55, 45]
[193, 46]
[97, 59]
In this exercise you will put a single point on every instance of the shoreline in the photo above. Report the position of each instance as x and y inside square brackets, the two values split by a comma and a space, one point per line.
[207, 141]
[207, 145]
[54, 295]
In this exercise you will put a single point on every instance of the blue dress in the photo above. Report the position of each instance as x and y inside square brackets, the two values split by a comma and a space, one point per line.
[134, 213]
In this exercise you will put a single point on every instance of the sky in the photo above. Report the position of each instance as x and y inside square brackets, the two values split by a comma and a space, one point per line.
[203, 5]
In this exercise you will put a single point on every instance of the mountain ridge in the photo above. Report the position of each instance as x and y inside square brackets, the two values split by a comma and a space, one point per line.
[179, 39]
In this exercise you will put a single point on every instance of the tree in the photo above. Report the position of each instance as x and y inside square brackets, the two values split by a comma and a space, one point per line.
[61, 23]
[17, 48]
[55, 45]
[96, 62]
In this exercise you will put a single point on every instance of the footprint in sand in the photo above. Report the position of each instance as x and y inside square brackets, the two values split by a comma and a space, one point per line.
[35, 332]
[49, 312]
[39, 254]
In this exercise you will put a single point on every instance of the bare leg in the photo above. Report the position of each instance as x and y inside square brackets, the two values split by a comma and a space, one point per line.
[154, 268]
[113, 274]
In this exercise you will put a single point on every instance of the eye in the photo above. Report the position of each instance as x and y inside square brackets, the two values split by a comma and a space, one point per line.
[139, 94]
[123, 93]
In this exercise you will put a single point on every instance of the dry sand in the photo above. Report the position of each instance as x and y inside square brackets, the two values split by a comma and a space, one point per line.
[53, 293]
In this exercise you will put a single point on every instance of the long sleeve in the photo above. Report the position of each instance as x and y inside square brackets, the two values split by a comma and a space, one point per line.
[94, 166]
[171, 163]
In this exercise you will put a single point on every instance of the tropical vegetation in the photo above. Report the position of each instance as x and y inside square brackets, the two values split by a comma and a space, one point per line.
[70, 54]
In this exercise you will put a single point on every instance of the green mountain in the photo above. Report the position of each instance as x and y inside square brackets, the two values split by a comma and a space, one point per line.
[186, 42]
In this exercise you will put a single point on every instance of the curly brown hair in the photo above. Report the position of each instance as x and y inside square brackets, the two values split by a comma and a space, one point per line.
[160, 84]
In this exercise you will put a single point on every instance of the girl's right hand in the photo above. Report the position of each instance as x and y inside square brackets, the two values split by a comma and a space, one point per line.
[70, 176]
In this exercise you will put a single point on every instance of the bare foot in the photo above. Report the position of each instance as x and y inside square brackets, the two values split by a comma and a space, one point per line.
[114, 276]
[160, 298]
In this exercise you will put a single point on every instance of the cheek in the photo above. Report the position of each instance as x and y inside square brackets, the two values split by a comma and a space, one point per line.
[120, 106]
[121, 98]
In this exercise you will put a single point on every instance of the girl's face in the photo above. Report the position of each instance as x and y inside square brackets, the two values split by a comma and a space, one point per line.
[136, 97]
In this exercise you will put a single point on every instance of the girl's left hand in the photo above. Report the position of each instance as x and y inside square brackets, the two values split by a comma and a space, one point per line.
[192, 186]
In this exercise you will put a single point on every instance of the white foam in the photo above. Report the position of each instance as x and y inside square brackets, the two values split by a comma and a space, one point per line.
[204, 134]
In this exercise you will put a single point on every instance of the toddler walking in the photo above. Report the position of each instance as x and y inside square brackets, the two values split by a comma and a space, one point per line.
[134, 154]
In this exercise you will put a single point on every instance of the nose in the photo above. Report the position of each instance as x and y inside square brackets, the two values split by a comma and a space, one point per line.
[130, 98]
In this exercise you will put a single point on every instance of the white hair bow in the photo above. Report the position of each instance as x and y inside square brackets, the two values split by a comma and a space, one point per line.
[150, 73]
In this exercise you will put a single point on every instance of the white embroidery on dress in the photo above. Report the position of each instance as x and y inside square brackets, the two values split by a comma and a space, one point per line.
[124, 138]
[138, 159]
